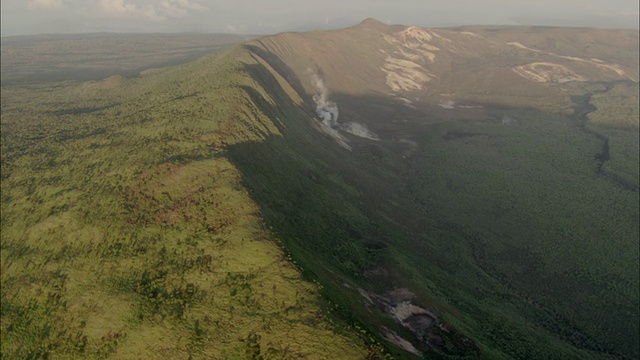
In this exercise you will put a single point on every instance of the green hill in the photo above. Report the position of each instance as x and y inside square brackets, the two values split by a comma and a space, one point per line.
[127, 233]
[377, 191]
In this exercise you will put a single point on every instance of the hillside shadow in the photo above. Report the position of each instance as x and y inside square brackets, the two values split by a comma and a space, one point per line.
[329, 205]
[334, 215]
[279, 66]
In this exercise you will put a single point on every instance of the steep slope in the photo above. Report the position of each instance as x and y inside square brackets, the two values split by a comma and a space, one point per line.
[467, 64]
[453, 221]
[126, 232]
[393, 164]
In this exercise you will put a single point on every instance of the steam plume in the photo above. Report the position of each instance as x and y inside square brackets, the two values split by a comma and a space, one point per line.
[327, 110]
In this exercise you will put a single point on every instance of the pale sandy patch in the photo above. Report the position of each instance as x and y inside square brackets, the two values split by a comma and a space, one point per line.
[545, 72]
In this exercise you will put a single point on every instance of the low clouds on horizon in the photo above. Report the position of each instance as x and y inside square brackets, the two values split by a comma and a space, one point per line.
[261, 17]
[151, 10]
[44, 4]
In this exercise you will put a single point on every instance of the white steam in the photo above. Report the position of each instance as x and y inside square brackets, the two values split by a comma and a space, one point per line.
[327, 112]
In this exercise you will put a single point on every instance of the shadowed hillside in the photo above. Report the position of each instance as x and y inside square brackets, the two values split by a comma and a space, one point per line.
[482, 187]
[127, 233]
[377, 191]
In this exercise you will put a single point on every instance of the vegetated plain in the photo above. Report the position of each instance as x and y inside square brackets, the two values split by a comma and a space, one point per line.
[126, 231]
[495, 216]
[47, 58]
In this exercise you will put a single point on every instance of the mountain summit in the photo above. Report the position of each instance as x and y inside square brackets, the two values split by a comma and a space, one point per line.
[371, 23]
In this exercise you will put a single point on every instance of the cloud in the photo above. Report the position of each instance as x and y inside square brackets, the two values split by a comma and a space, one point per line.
[148, 10]
[44, 4]
[120, 9]
[191, 6]
[236, 29]
[179, 8]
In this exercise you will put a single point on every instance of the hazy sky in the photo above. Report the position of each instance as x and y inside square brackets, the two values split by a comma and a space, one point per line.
[261, 16]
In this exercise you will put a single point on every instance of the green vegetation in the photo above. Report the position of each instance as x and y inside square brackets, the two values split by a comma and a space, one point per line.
[503, 227]
[197, 211]
[617, 107]
[126, 232]
[615, 119]
[545, 227]
[82, 57]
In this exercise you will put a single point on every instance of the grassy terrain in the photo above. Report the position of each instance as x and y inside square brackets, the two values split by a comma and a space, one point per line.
[616, 108]
[546, 227]
[616, 118]
[163, 216]
[504, 223]
[127, 233]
